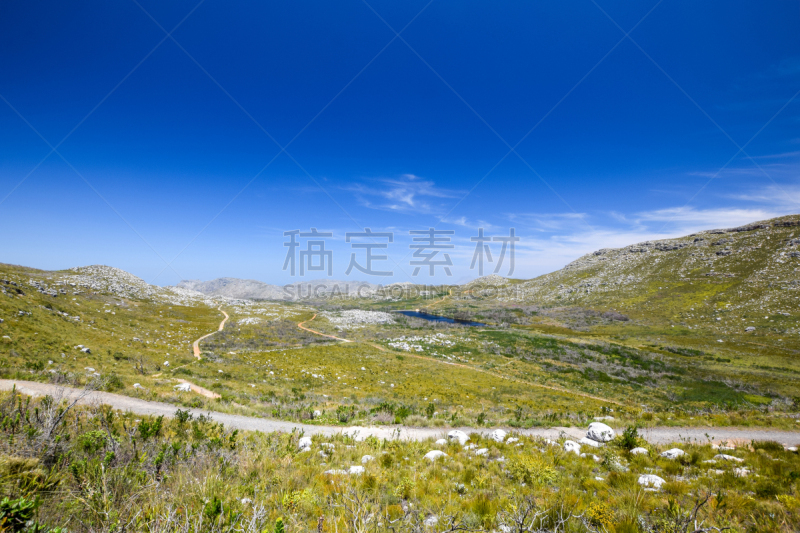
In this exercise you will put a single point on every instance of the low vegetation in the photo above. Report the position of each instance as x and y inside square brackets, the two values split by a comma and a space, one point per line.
[94, 469]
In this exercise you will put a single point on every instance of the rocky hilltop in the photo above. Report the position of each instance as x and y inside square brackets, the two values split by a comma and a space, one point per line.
[747, 270]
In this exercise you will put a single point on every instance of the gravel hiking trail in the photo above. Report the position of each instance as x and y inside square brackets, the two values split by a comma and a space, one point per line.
[658, 435]
[301, 326]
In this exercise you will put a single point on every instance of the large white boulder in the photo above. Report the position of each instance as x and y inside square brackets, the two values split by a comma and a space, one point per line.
[651, 480]
[589, 442]
[434, 455]
[498, 435]
[482, 451]
[639, 451]
[674, 453]
[183, 387]
[356, 470]
[304, 442]
[572, 446]
[600, 432]
[458, 435]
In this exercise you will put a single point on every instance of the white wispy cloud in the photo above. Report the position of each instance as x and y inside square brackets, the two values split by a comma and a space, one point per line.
[549, 221]
[406, 194]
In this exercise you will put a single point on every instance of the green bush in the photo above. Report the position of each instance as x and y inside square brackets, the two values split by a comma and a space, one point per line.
[532, 470]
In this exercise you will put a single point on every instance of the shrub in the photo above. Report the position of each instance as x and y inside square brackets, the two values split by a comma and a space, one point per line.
[92, 441]
[113, 383]
[600, 515]
[15, 514]
[345, 413]
[531, 470]
[630, 438]
[767, 445]
[149, 429]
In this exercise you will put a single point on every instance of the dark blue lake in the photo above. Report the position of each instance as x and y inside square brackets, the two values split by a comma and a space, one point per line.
[436, 318]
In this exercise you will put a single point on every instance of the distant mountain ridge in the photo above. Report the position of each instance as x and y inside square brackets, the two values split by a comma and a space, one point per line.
[258, 290]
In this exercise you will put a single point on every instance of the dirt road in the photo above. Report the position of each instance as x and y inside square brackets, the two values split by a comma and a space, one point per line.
[659, 435]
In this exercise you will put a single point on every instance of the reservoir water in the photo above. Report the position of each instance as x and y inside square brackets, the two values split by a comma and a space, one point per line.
[436, 318]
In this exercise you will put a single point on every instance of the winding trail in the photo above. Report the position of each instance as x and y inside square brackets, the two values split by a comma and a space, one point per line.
[301, 326]
[196, 344]
[202, 391]
[658, 435]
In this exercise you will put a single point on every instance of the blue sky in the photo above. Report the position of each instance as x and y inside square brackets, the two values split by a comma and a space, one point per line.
[189, 136]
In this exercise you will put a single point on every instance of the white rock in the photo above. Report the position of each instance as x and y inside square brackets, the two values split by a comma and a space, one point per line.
[498, 435]
[434, 455]
[356, 470]
[335, 472]
[651, 480]
[304, 442]
[716, 472]
[166, 363]
[727, 448]
[482, 451]
[470, 446]
[182, 387]
[741, 472]
[674, 453]
[593, 456]
[367, 458]
[246, 501]
[328, 446]
[458, 435]
[317, 414]
[598, 478]
[441, 442]
[589, 442]
[792, 449]
[639, 451]
[600, 432]
[725, 457]
[572, 446]
[137, 386]
[431, 521]
[511, 440]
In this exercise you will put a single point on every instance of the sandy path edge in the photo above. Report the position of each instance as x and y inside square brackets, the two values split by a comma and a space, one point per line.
[658, 435]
